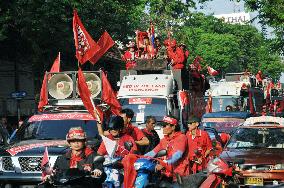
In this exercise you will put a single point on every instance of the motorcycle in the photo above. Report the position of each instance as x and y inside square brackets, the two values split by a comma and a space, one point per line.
[114, 170]
[73, 178]
[145, 167]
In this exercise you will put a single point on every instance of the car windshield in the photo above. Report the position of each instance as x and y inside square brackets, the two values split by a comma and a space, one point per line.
[222, 124]
[220, 103]
[254, 138]
[55, 129]
[143, 107]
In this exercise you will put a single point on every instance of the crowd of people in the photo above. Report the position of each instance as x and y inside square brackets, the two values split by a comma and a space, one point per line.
[143, 48]
[187, 153]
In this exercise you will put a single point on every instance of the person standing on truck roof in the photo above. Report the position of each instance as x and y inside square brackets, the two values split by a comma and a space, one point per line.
[175, 143]
[151, 134]
[130, 55]
[175, 54]
[199, 145]
[140, 139]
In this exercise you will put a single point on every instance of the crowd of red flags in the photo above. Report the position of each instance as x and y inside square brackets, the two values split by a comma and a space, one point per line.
[43, 92]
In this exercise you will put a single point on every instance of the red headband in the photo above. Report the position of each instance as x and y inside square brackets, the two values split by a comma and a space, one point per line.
[170, 120]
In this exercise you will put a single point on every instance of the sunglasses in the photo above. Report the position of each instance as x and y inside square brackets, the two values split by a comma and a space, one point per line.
[164, 125]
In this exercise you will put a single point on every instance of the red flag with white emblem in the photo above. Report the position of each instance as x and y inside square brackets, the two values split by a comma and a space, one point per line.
[85, 95]
[183, 97]
[86, 47]
[45, 165]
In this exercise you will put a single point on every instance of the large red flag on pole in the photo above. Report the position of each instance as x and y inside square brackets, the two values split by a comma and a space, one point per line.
[86, 47]
[85, 95]
[43, 92]
[109, 97]
[105, 42]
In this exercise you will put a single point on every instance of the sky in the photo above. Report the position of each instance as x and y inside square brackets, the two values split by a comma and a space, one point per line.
[226, 7]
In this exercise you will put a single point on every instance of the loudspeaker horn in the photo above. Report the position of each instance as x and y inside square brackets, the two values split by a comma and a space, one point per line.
[60, 86]
[94, 84]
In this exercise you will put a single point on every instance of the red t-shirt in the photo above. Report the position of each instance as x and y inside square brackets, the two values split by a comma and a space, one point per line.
[178, 142]
[134, 132]
[120, 151]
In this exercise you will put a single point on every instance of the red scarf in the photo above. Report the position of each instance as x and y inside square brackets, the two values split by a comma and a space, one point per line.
[76, 158]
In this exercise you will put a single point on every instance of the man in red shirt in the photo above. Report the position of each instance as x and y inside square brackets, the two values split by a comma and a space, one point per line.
[116, 127]
[176, 145]
[175, 54]
[140, 139]
[199, 145]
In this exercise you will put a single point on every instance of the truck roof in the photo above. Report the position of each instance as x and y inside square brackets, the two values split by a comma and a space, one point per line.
[146, 85]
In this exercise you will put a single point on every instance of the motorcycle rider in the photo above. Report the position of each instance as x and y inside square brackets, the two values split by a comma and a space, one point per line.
[116, 127]
[199, 145]
[176, 145]
[79, 156]
[140, 139]
[151, 134]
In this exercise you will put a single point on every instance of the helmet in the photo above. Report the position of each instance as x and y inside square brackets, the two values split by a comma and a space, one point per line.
[76, 133]
[116, 123]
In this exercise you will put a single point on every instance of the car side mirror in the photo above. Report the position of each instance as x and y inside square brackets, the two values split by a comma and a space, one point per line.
[128, 145]
[161, 153]
[99, 159]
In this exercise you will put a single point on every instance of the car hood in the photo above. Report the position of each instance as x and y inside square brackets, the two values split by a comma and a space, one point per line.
[35, 147]
[254, 156]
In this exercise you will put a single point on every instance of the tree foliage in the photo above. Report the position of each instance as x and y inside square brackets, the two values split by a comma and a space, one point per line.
[270, 14]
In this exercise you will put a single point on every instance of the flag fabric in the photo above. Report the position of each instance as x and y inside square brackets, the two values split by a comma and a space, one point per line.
[86, 47]
[211, 71]
[152, 35]
[251, 103]
[183, 98]
[45, 165]
[109, 97]
[43, 92]
[105, 42]
[196, 63]
[85, 95]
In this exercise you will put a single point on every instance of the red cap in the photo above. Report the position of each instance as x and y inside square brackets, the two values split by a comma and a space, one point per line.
[170, 120]
[76, 133]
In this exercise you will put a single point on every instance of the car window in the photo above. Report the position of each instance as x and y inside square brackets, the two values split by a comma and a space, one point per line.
[251, 138]
[55, 129]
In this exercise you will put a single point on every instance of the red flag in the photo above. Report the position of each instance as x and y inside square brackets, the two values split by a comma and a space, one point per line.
[109, 97]
[196, 63]
[43, 93]
[183, 98]
[105, 43]
[86, 47]
[45, 165]
[211, 71]
[251, 103]
[85, 95]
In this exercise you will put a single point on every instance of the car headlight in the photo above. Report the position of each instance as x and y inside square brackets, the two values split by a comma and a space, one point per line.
[279, 167]
[137, 165]
[1, 163]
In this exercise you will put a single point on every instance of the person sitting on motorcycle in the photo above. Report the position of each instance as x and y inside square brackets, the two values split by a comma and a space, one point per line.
[151, 134]
[79, 156]
[199, 145]
[116, 127]
[175, 143]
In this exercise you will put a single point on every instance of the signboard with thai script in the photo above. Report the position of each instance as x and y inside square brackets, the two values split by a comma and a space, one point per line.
[235, 18]
[146, 85]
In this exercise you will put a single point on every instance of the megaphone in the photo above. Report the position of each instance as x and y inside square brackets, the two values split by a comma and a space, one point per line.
[60, 86]
[93, 83]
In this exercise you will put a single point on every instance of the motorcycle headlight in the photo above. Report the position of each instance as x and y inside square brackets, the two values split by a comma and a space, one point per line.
[137, 165]
[1, 163]
[279, 167]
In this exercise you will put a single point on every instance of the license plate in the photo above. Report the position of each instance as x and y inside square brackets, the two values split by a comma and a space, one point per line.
[253, 181]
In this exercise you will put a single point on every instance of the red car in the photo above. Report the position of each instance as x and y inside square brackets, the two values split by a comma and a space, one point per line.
[260, 142]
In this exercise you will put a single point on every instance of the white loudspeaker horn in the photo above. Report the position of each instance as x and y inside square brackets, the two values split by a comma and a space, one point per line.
[94, 84]
[60, 86]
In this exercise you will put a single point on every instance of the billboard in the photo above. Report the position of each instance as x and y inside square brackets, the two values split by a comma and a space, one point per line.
[235, 18]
